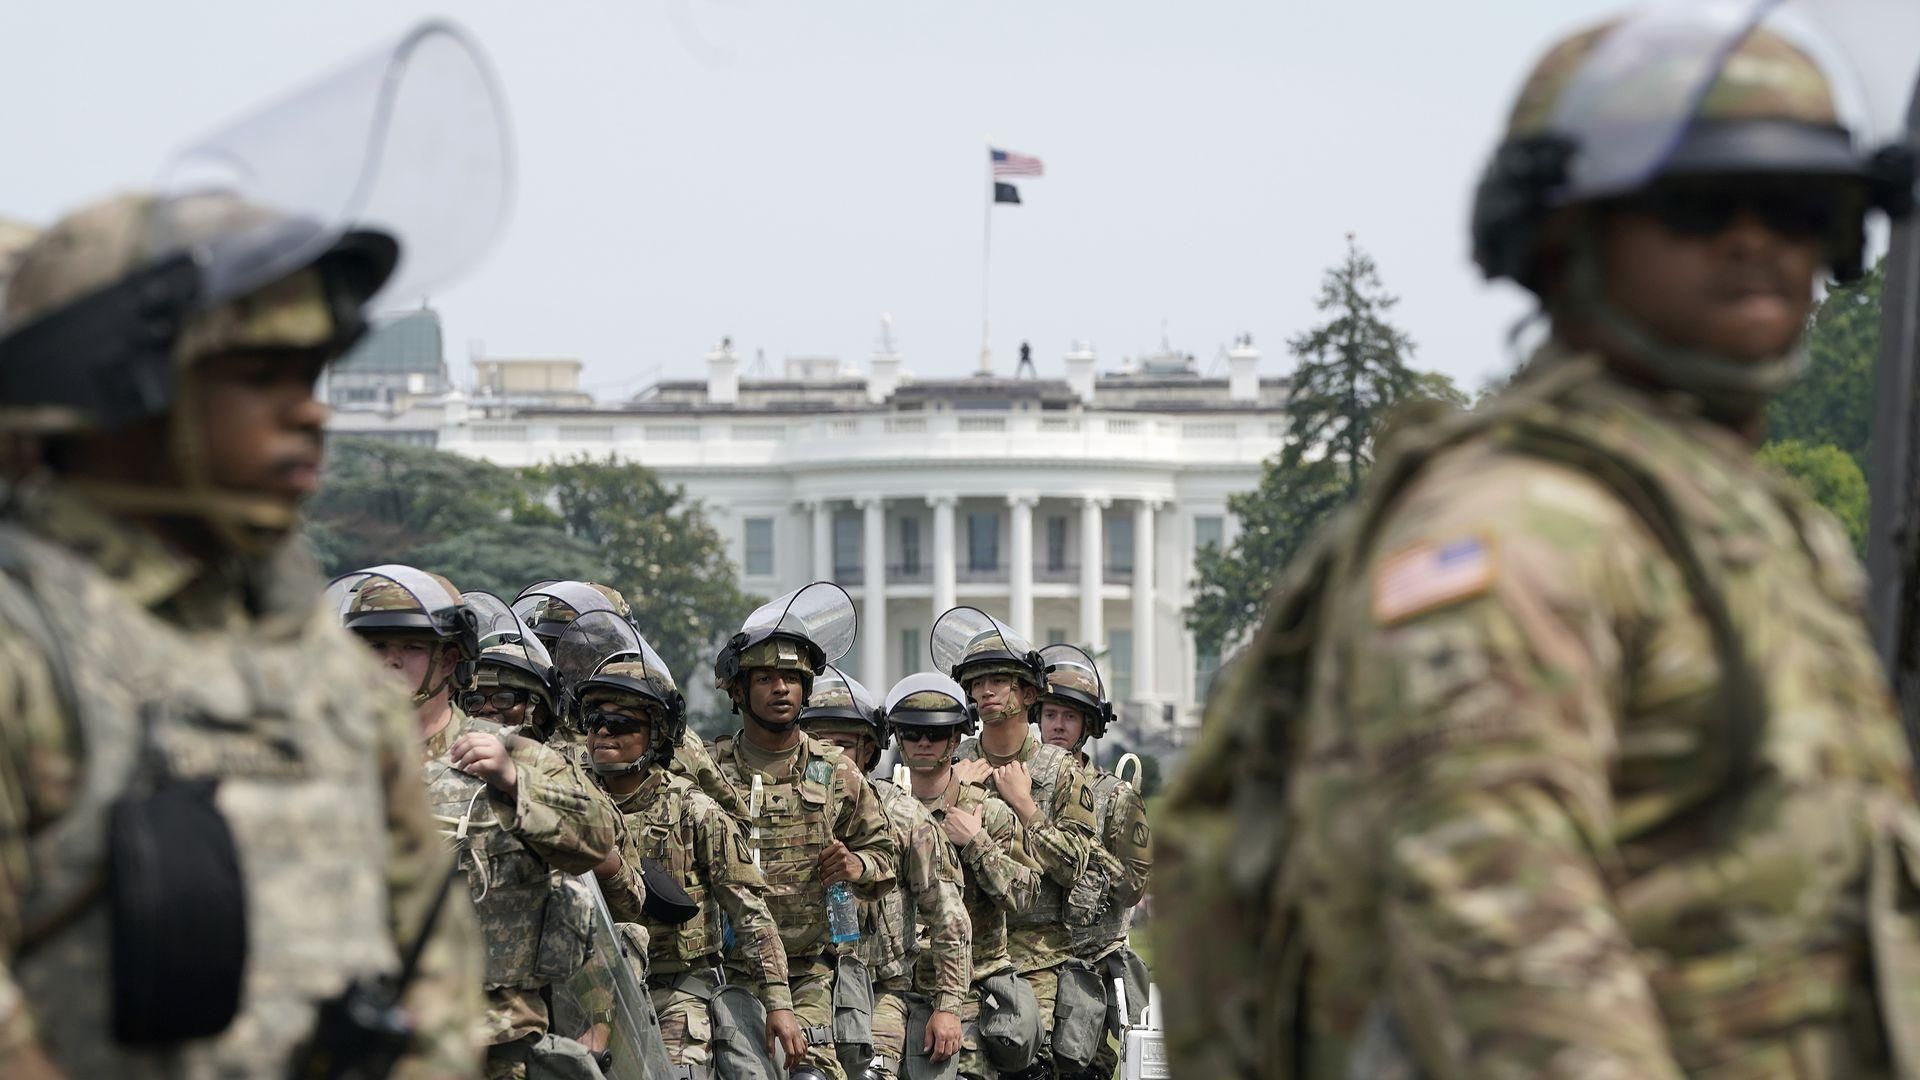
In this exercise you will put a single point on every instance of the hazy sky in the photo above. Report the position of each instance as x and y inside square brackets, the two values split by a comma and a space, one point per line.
[784, 171]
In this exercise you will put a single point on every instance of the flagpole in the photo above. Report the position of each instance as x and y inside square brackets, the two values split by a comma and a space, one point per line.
[986, 270]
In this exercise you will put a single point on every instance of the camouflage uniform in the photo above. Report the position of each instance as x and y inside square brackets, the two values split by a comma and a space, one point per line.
[917, 938]
[814, 796]
[1564, 753]
[705, 849]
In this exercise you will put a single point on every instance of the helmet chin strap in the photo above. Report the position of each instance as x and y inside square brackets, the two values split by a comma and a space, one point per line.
[1727, 387]
[620, 768]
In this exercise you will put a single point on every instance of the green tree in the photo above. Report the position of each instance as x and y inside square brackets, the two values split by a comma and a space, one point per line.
[1349, 371]
[1829, 475]
[663, 553]
[1832, 401]
[1230, 586]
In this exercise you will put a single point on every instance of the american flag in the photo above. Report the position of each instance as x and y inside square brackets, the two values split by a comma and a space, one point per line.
[1008, 163]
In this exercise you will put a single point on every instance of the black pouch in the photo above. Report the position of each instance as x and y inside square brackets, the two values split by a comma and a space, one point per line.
[179, 914]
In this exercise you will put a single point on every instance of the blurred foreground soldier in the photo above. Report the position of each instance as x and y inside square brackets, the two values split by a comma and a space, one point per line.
[1052, 794]
[915, 939]
[631, 711]
[1073, 710]
[813, 823]
[929, 715]
[1564, 752]
[15, 237]
[215, 857]
[515, 809]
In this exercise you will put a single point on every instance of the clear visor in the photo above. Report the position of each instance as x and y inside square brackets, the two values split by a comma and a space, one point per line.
[578, 595]
[833, 686]
[652, 667]
[967, 631]
[428, 595]
[590, 641]
[1078, 668]
[411, 141]
[501, 629]
[1629, 105]
[821, 612]
[922, 682]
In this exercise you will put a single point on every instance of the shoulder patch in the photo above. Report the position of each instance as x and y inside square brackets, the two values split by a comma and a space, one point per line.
[1425, 576]
[820, 771]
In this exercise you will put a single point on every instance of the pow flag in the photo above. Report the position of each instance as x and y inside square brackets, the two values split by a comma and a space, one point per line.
[1005, 193]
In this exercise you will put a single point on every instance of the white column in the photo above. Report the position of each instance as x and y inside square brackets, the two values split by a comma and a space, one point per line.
[943, 556]
[1092, 573]
[1143, 600]
[1020, 569]
[822, 539]
[873, 616]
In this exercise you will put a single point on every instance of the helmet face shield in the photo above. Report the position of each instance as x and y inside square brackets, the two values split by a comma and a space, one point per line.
[929, 699]
[549, 606]
[1074, 679]
[637, 674]
[803, 631]
[397, 597]
[841, 697]
[588, 642]
[967, 642]
[506, 643]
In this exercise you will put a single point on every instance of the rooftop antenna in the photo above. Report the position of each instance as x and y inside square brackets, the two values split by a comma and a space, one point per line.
[886, 335]
[759, 368]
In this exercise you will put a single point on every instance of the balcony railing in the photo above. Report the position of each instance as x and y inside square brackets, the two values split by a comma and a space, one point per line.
[909, 573]
[967, 574]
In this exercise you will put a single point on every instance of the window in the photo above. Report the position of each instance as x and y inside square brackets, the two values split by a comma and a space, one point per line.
[1120, 664]
[1206, 661]
[759, 547]
[910, 548]
[1056, 635]
[1056, 543]
[846, 544]
[983, 541]
[1120, 543]
[1209, 529]
[911, 657]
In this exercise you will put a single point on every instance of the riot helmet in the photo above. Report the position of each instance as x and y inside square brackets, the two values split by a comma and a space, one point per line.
[968, 644]
[547, 607]
[930, 699]
[511, 660]
[839, 702]
[634, 678]
[1073, 679]
[801, 632]
[393, 599]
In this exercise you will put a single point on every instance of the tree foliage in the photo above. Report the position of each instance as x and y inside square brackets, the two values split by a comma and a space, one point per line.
[1830, 476]
[1832, 401]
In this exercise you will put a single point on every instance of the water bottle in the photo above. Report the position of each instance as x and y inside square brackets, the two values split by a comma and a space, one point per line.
[843, 916]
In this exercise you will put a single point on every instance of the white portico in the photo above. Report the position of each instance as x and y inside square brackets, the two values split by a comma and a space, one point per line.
[1072, 508]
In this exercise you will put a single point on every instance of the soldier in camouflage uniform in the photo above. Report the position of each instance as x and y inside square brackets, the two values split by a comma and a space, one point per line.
[514, 684]
[916, 939]
[1052, 795]
[549, 607]
[1073, 709]
[632, 713]
[821, 823]
[1564, 752]
[517, 810]
[161, 640]
[929, 716]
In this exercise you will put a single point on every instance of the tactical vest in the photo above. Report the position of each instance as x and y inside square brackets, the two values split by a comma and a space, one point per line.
[1233, 861]
[1109, 928]
[666, 830]
[796, 825]
[508, 881]
[276, 713]
[1056, 910]
[889, 931]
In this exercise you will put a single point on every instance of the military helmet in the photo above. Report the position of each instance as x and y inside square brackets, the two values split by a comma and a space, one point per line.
[930, 699]
[838, 700]
[1600, 117]
[639, 677]
[802, 632]
[549, 606]
[967, 644]
[510, 655]
[1074, 679]
[394, 598]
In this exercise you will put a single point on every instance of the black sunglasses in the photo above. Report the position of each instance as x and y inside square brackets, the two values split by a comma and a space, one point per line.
[501, 700]
[1804, 209]
[616, 724]
[921, 734]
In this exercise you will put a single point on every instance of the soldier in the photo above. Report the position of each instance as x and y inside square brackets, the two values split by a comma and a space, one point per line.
[518, 810]
[818, 822]
[513, 680]
[631, 711]
[1565, 752]
[549, 607]
[916, 939]
[1073, 709]
[929, 715]
[1053, 797]
[216, 854]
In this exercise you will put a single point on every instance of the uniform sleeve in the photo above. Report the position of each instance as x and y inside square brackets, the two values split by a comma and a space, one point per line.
[1484, 688]
[1130, 841]
[626, 888]
[997, 857]
[444, 999]
[39, 771]
[1061, 841]
[557, 811]
[933, 877]
[862, 826]
[741, 891]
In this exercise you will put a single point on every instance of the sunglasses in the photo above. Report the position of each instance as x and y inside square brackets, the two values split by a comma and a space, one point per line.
[501, 700]
[1802, 209]
[616, 724]
[921, 734]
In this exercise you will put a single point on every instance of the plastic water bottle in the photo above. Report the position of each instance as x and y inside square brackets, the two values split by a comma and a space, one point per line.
[843, 916]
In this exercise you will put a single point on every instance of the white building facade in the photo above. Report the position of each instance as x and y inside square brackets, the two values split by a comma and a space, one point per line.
[1071, 508]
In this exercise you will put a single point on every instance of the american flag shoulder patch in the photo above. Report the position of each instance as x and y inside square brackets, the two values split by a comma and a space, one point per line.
[1424, 576]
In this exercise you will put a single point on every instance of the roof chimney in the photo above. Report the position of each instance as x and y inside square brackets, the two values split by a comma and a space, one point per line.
[883, 370]
[1243, 370]
[1080, 371]
[723, 374]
